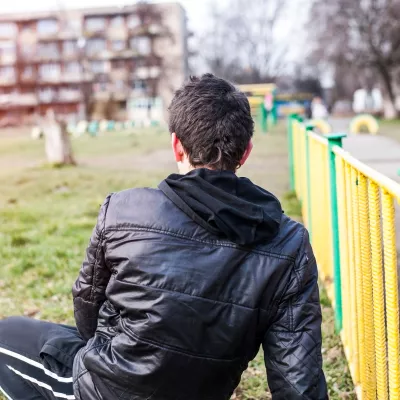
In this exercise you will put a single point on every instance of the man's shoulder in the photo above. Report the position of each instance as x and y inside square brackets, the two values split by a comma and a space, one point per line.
[145, 208]
[290, 238]
[136, 194]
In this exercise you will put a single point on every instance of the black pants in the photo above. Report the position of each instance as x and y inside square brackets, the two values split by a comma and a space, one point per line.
[36, 359]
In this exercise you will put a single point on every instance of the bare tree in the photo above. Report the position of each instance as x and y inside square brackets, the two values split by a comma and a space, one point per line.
[241, 44]
[362, 36]
[166, 71]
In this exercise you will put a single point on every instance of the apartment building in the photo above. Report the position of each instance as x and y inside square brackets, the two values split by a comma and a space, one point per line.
[75, 61]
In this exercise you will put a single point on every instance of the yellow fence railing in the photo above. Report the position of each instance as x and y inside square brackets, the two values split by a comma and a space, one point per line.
[349, 209]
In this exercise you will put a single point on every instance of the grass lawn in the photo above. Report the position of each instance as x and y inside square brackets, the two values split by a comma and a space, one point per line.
[47, 215]
[390, 128]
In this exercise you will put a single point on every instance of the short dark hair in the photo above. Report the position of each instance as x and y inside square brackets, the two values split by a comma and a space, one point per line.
[212, 119]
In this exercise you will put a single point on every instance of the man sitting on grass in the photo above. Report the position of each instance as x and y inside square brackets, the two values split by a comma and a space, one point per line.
[181, 285]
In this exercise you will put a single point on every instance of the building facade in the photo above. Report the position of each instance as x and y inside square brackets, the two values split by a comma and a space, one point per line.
[91, 63]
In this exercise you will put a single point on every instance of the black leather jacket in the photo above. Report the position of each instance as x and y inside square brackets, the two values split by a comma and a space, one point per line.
[173, 310]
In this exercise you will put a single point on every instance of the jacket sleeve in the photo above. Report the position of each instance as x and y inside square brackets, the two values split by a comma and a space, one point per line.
[90, 287]
[292, 345]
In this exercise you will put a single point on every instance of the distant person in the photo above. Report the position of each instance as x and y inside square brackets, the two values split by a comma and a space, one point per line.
[318, 109]
[181, 285]
[308, 110]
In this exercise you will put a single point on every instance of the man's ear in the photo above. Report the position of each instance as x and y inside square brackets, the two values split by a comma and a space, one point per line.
[177, 148]
[247, 152]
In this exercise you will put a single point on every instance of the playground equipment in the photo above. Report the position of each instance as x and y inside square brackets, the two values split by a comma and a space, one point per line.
[36, 133]
[322, 126]
[293, 103]
[103, 125]
[262, 103]
[349, 211]
[364, 121]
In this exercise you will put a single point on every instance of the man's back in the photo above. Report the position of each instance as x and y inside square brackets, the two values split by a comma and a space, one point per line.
[193, 277]
[181, 285]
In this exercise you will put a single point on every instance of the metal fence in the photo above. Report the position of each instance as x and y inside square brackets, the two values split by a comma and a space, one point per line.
[349, 210]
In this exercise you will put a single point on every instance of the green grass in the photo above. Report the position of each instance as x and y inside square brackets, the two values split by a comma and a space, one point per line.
[390, 128]
[47, 215]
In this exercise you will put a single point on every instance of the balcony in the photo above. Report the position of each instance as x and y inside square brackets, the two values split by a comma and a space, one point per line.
[16, 99]
[117, 33]
[94, 33]
[69, 77]
[153, 72]
[8, 59]
[7, 81]
[8, 36]
[101, 95]
[66, 96]
[45, 36]
[123, 54]
[42, 58]
[62, 35]
[146, 30]
[121, 94]
[26, 99]
[99, 55]
[52, 79]
[119, 74]
[28, 79]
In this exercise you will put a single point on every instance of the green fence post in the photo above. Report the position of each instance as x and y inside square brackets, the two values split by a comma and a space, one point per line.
[309, 128]
[274, 111]
[335, 140]
[263, 118]
[290, 120]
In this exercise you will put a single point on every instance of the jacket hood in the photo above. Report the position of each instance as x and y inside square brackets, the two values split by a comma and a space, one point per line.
[226, 205]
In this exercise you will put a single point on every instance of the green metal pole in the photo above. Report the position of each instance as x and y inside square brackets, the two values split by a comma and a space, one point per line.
[309, 128]
[263, 118]
[274, 108]
[290, 150]
[335, 140]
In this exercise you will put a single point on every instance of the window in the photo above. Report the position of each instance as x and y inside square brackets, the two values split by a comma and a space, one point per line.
[28, 73]
[70, 47]
[72, 68]
[95, 46]
[139, 85]
[141, 44]
[119, 85]
[7, 50]
[95, 24]
[118, 45]
[75, 25]
[154, 72]
[118, 22]
[118, 64]
[48, 50]
[133, 21]
[100, 87]
[69, 94]
[7, 73]
[47, 26]
[47, 95]
[49, 71]
[27, 50]
[98, 67]
[8, 29]
[27, 29]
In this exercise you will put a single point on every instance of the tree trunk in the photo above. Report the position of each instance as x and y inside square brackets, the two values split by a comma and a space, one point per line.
[389, 104]
[57, 141]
